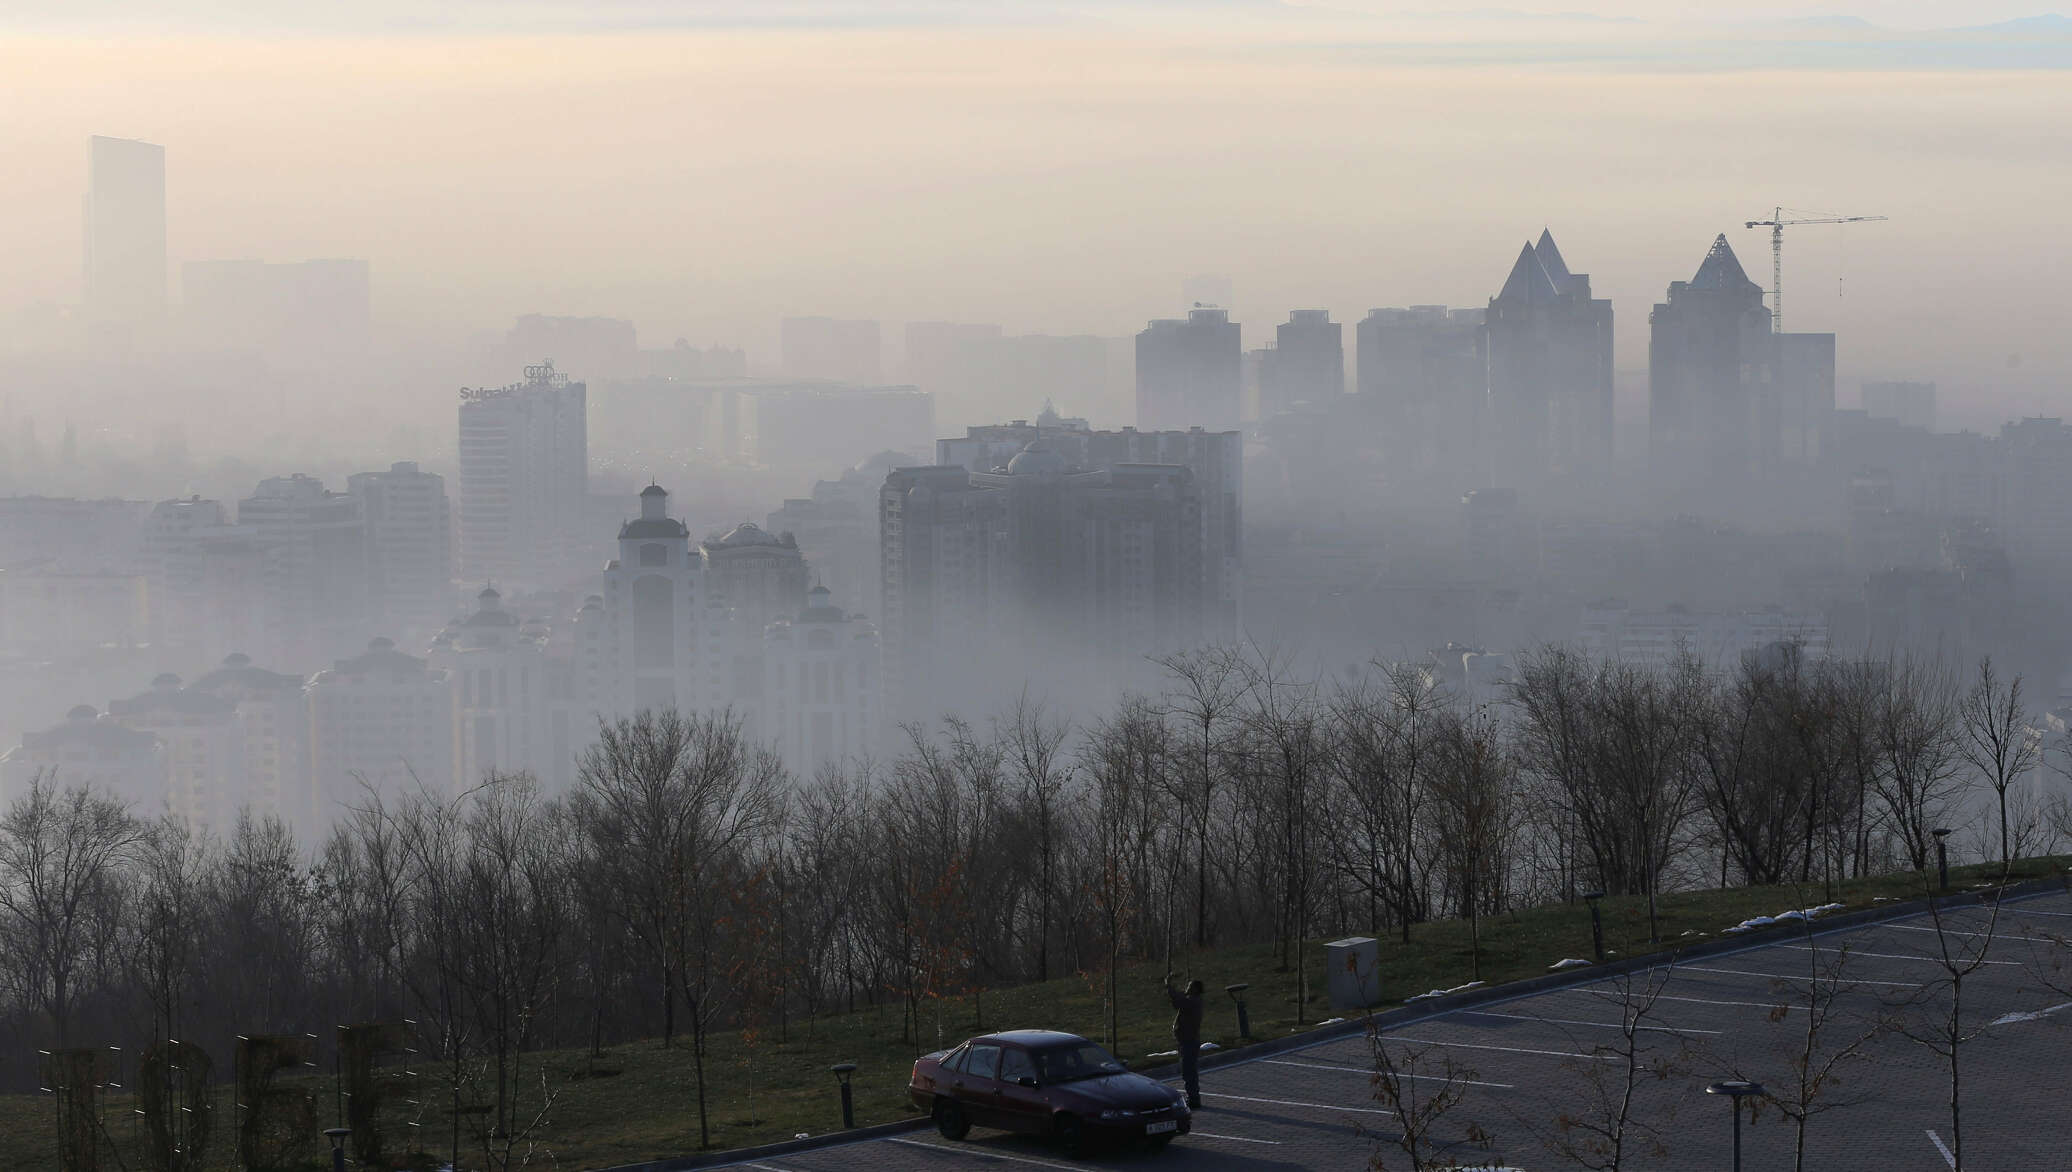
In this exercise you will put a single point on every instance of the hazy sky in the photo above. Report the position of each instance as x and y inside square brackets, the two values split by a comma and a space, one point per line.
[705, 167]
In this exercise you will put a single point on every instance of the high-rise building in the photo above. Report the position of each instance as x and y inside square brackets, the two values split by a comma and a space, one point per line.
[409, 546]
[1423, 378]
[1550, 372]
[1039, 564]
[95, 751]
[756, 577]
[1306, 364]
[125, 240]
[497, 667]
[1733, 409]
[524, 474]
[666, 637]
[831, 348]
[821, 701]
[209, 581]
[316, 573]
[1188, 373]
[204, 751]
[381, 719]
[272, 715]
[1216, 458]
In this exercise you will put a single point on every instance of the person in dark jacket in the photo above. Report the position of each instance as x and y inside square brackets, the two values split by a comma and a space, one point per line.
[1187, 1011]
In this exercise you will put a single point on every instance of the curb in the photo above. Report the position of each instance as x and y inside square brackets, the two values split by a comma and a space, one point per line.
[1419, 1011]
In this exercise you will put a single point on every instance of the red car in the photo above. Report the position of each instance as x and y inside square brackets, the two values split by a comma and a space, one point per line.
[1042, 1082]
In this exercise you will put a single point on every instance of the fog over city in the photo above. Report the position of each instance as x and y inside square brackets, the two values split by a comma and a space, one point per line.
[402, 398]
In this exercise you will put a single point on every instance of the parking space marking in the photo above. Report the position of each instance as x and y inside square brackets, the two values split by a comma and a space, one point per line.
[983, 1153]
[1603, 1025]
[1505, 1049]
[1960, 932]
[1236, 1139]
[1940, 1146]
[1293, 1103]
[1890, 955]
[764, 1167]
[1691, 968]
[1370, 1073]
[1697, 1001]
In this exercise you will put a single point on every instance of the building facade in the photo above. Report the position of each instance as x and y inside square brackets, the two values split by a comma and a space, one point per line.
[1188, 373]
[409, 546]
[1550, 373]
[524, 474]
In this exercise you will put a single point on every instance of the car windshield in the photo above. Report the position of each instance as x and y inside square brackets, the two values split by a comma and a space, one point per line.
[1078, 1060]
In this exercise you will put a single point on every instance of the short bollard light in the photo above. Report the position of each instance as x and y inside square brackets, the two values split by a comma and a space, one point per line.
[1244, 1016]
[842, 1071]
[1596, 923]
[1735, 1091]
[337, 1136]
[1942, 858]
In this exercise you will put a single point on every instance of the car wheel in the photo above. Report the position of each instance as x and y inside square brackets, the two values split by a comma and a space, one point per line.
[950, 1120]
[1071, 1135]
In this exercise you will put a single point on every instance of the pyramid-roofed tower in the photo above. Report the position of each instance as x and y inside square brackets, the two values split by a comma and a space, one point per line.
[1721, 270]
[1529, 281]
[1550, 260]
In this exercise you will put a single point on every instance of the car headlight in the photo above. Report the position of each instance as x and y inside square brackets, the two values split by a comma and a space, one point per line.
[1180, 1105]
[1114, 1113]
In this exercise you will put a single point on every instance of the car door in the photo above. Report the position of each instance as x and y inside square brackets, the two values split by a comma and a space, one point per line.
[977, 1085]
[1022, 1106]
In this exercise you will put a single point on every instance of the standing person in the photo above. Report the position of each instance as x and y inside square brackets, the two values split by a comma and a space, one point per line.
[1187, 1013]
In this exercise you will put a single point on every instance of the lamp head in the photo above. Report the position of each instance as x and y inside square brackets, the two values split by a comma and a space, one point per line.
[337, 1137]
[1735, 1088]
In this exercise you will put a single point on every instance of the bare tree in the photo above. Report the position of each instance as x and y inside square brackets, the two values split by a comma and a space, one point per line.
[61, 851]
[1205, 694]
[1935, 1016]
[1917, 734]
[1035, 747]
[1474, 816]
[1997, 740]
[1606, 1130]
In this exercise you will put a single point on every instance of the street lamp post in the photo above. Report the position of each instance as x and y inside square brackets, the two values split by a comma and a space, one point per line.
[1244, 1017]
[842, 1071]
[1596, 923]
[1735, 1091]
[337, 1137]
[1942, 858]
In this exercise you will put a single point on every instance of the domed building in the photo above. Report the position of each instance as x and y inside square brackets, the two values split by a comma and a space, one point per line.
[496, 667]
[382, 719]
[204, 751]
[89, 749]
[822, 699]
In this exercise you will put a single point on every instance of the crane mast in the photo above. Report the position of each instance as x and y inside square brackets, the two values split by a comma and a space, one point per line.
[1777, 223]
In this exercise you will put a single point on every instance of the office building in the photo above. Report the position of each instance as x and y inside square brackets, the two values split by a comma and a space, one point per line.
[1188, 373]
[524, 475]
[497, 667]
[830, 348]
[1422, 379]
[1305, 365]
[316, 565]
[1734, 410]
[1550, 372]
[409, 546]
[125, 241]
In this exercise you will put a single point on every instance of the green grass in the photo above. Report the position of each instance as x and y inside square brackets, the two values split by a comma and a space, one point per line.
[639, 1102]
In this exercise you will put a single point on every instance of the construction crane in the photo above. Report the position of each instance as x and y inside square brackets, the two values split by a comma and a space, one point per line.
[1777, 224]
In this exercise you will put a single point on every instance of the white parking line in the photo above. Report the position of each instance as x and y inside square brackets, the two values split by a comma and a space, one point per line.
[2031, 911]
[978, 1153]
[1370, 1073]
[1236, 1139]
[1604, 1025]
[1694, 1001]
[1505, 1049]
[764, 1167]
[1845, 980]
[1889, 955]
[1293, 1103]
[1940, 1146]
[1959, 932]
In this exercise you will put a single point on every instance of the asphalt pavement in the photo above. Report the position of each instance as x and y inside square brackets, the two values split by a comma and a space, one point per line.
[1538, 1070]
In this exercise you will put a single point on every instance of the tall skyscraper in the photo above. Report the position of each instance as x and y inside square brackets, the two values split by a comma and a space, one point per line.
[125, 240]
[1188, 372]
[1306, 364]
[409, 546]
[524, 474]
[1550, 372]
[316, 565]
[1423, 376]
[1734, 410]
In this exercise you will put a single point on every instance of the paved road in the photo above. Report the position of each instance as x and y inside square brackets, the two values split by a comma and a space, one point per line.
[1531, 1061]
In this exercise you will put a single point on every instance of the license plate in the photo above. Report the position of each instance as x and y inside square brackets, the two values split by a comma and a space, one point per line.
[1162, 1127]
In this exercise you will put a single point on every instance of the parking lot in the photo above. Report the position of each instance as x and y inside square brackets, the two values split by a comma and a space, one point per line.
[1527, 1062]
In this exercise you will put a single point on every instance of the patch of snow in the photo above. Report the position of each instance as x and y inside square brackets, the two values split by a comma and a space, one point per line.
[1325, 1022]
[1804, 913]
[2032, 1015]
[1205, 1046]
[1163, 1054]
[1441, 992]
[1568, 963]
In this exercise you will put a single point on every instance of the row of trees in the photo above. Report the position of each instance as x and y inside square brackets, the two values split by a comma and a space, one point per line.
[689, 883]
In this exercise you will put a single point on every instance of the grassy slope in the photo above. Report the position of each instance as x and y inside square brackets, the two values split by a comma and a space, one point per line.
[774, 1089]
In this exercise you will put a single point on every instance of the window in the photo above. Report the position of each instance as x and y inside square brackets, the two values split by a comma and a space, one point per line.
[654, 553]
[955, 1060]
[983, 1062]
[1015, 1064]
